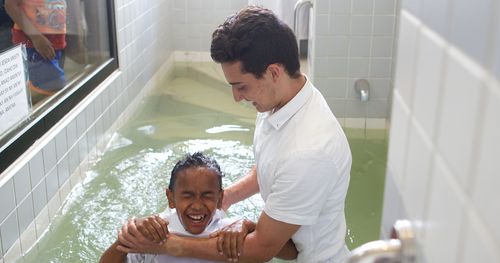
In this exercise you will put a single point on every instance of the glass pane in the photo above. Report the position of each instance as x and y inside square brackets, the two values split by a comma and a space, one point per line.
[67, 43]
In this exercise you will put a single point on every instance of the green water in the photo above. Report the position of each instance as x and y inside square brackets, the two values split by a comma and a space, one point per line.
[366, 187]
[185, 116]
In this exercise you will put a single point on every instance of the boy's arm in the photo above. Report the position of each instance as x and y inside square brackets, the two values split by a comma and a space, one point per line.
[242, 189]
[153, 227]
[112, 255]
[40, 42]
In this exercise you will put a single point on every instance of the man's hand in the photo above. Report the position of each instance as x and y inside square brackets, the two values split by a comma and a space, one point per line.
[230, 238]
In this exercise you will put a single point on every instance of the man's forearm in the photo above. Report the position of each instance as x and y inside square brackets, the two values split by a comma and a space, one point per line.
[206, 248]
[203, 248]
[288, 252]
[254, 250]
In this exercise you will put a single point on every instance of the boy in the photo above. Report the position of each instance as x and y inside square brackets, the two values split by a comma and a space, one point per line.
[195, 191]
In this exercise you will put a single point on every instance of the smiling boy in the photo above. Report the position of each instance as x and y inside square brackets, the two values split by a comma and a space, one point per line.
[195, 196]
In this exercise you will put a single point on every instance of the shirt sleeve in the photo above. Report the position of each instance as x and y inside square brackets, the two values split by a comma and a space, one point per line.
[302, 184]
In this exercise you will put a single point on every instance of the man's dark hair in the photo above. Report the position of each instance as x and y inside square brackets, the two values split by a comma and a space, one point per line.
[197, 159]
[257, 38]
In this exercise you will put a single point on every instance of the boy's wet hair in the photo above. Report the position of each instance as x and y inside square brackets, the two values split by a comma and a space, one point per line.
[194, 160]
[257, 38]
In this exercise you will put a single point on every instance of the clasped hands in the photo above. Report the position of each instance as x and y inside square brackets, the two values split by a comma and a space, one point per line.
[150, 235]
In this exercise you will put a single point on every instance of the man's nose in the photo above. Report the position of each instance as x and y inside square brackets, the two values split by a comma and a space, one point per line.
[237, 95]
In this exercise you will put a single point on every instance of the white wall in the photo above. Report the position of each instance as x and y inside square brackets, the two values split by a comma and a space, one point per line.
[195, 20]
[32, 189]
[445, 133]
[353, 39]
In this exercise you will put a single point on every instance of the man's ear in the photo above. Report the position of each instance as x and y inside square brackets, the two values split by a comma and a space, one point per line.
[275, 70]
[170, 197]
[219, 204]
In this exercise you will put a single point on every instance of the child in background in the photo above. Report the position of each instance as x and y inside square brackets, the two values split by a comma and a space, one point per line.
[195, 193]
[41, 26]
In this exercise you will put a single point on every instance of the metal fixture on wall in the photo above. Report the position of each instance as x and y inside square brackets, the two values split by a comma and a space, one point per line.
[299, 6]
[362, 87]
[401, 248]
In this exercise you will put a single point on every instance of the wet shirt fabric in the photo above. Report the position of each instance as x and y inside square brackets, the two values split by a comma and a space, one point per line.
[175, 226]
[303, 165]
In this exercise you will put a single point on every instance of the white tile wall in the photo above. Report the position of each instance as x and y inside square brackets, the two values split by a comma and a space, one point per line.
[444, 217]
[443, 163]
[474, 33]
[462, 86]
[353, 40]
[417, 171]
[195, 20]
[488, 182]
[428, 80]
[436, 13]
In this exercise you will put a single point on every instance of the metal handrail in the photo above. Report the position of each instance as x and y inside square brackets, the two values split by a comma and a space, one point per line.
[399, 249]
[298, 7]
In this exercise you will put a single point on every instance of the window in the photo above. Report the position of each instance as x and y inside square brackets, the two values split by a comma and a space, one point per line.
[89, 56]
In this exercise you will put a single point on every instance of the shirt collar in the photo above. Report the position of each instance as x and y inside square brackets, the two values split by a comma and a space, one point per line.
[280, 117]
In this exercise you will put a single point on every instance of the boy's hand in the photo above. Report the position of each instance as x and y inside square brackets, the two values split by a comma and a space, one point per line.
[230, 238]
[131, 240]
[153, 228]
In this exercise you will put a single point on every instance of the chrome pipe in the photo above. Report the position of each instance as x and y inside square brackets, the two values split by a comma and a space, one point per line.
[298, 7]
[401, 248]
[386, 251]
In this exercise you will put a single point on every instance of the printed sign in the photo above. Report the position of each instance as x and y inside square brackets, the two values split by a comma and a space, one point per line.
[14, 103]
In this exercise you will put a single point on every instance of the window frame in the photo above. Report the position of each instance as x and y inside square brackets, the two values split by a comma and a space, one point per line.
[16, 141]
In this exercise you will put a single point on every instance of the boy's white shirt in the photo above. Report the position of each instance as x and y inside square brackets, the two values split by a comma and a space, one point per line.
[175, 226]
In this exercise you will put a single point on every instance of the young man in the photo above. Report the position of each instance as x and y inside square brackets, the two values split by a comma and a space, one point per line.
[302, 156]
[195, 193]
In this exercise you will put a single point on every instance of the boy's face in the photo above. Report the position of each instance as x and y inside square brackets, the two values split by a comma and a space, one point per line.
[245, 86]
[196, 196]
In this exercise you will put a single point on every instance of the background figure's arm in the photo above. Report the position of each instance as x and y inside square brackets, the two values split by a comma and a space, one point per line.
[241, 189]
[40, 42]
[112, 255]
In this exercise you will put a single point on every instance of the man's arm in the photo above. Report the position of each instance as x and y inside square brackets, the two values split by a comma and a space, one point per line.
[242, 189]
[267, 241]
[288, 251]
